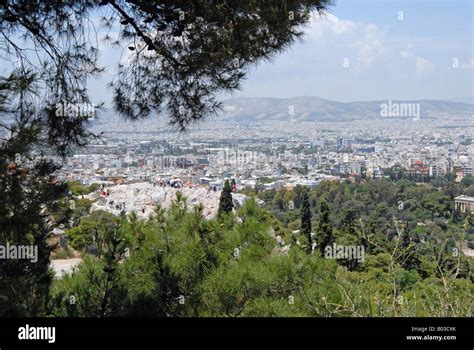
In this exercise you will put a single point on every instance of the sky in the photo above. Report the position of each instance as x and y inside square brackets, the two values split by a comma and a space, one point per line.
[376, 49]
[362, 50]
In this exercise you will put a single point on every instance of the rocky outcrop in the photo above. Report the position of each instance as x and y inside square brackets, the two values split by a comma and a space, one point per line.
[143, 198]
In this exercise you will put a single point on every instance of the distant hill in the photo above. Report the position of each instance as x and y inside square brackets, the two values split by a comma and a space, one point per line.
[257, 109]
[315, 108]
[469, 100]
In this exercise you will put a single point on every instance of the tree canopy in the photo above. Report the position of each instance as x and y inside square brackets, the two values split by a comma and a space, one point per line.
[177, 56]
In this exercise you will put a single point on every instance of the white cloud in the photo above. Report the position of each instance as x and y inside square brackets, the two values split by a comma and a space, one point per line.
[366, 39]
[370, 47]
[406, 54]
[422, 65]
[328, 24]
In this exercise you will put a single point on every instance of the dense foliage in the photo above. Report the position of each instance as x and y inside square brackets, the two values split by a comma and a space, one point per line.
[178, 55]
[250, 263]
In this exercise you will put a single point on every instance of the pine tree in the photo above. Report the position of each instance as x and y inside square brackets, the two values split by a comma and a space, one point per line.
[324, 232]
[225, 202]
[27, 196]
[306, 220]
[185, 53]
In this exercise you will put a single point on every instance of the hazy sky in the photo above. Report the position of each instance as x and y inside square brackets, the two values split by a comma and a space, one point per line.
[363, 50]
[377, 49]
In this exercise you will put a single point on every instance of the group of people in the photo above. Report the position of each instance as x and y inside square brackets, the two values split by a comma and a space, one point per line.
[104, 194]
[215, 188]
[117, 206]
[173, 183]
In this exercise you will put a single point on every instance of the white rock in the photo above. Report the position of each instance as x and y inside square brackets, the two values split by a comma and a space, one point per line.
[145, 196]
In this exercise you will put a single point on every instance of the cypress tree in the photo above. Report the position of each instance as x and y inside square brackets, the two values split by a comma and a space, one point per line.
[225, 202]
[325, 236]
[306, 219]
[410, 257]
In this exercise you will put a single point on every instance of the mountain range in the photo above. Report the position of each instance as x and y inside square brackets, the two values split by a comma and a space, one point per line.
[248, 110]
[319, 109]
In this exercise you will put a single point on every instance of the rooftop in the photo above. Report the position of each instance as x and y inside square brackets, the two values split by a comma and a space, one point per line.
[464, 198]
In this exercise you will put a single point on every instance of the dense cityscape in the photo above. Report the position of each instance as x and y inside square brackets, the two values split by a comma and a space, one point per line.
[424, 148]
[308, 161]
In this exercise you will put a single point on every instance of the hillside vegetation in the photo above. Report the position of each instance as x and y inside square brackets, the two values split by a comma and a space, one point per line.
[255, 262]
